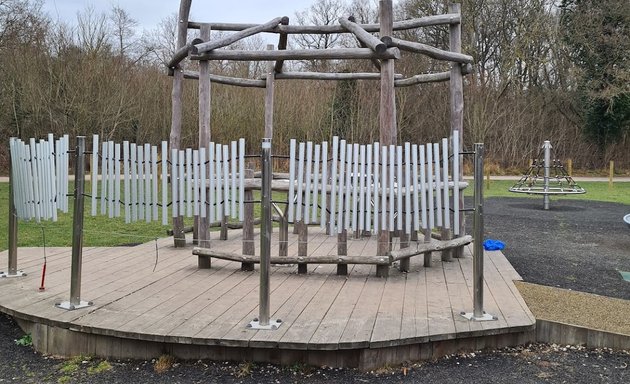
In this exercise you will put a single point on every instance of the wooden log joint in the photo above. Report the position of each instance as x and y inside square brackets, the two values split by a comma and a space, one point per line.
[365, 37]
[433, 245]
[373, 260]
[211, 45]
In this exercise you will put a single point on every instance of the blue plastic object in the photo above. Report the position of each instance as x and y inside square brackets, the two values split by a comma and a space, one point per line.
[493, 245]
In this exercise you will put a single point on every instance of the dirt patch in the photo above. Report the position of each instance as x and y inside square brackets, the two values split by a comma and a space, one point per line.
[577, 308]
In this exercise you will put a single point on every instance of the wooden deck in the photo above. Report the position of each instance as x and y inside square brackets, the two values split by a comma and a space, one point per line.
[164, 300]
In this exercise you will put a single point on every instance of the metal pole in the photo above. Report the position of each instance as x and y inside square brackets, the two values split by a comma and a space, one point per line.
[77, 229]
[547, 147]
[13, 231]
[478, 313]
[263, 321]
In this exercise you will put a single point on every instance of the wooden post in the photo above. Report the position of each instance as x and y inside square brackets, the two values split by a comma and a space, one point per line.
[249, 248]
[302, 245]
[342, 250]
[179, 238]
[611, 174]
[404, 264]
[570, 167]
[457, 110]
[269, 93]
[387, 116]
[201, 224]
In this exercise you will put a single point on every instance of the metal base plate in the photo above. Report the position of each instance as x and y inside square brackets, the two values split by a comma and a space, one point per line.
[273, 325]
[71, 307]
[17, 274]
[485, 317]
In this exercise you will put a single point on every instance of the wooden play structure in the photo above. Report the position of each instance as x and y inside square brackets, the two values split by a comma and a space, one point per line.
[335, 218]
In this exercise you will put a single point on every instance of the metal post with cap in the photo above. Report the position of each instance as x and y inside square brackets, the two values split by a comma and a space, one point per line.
[263, 321]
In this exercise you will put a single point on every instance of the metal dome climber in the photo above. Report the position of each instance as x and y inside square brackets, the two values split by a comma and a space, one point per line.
[539, 179]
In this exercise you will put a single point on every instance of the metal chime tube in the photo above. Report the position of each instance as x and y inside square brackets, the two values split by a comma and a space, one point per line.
[547, 147]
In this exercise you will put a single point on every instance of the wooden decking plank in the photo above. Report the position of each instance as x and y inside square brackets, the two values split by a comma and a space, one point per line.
[302, 329]
[360, 325]
[330, 329]
[414, 304]
[293, 307]
[441, 322]
[239, 314]
[460, 297]
[389, 316]
[280, 294]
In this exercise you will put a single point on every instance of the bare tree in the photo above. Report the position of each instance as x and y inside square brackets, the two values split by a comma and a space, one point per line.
[123, 29]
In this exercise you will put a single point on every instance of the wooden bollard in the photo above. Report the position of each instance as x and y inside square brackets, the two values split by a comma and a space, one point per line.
[570, 167]
[611, 174]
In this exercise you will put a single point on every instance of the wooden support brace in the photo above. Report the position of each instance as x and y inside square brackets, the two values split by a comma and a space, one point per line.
[342, 250]
[363, 260]
[302, 245]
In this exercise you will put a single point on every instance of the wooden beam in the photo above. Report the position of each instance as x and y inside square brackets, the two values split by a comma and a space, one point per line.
[299, 54]
[179, 238]
[375, 260]
[329, 76]
[269, 95]
[239, 82]
[432, 246]
[205, 114]
[427, 21]
[430, 77]
[428, 50]
[211, 45]
[365, 37]
[282, 45]
[387, 116]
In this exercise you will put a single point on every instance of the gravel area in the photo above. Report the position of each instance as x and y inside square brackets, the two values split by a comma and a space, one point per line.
[577, 245]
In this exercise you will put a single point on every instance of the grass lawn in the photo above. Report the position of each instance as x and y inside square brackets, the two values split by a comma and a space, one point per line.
[102, 231]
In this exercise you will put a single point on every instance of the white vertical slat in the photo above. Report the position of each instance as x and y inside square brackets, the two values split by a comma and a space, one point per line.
[340, 184]
[423, 187]
[300, 181]
[41, 180]
[348, 193]
[16, 184]
[430, 198]
[103, 177]
[218, 182]
[438, 184]
[117, 180]
[140, 182]
[456, 182]
[189, 186]
[196, 183]
[226, 180]
[127, 182]
[27, 179]
[376, 185]
[392, 187]
[110, 179]
[241, 179]
[383, 189]
[447, 208]
[45, 178]
[154, 182]
[164, 183]
[133, 151]
[368, 187]
[31, 175]
[414, 177]
[181, 182]
[408, 188]
[212, 196]
[53, 176]
[22, 165]
[307, 189]
[324, 184]
[33, 180]
[333, 182]
[400, 186]
[148, 209]
[291, 195]
[203, 183]
[65, 146]
[175, 182]
[58, 168]
[233, 169]
[355, 186]
[362, 182]
[316, 160]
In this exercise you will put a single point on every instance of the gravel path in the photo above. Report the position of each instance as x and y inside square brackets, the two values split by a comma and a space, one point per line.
[579, 245]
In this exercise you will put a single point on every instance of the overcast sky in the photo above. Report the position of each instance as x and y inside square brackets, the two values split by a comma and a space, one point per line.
[148, 13]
